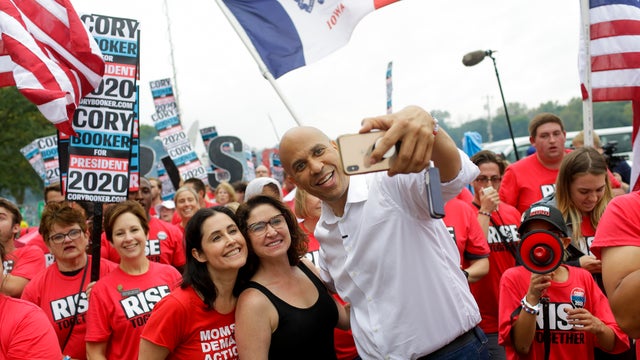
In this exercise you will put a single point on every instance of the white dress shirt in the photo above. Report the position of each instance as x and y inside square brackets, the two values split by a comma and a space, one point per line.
[397, 266]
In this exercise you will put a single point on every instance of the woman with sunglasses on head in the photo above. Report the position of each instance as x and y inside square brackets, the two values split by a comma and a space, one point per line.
[62, 290]
[285, 309]
[206, 300]
[121, 302]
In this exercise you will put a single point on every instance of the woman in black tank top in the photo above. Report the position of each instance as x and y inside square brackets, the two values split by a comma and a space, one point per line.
[285, 310]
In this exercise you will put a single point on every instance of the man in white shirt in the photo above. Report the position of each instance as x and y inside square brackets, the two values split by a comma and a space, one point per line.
[381, 250]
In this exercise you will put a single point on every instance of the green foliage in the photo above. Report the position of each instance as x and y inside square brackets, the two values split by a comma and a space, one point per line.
[21, 124]
[148, 136]
[605, 114]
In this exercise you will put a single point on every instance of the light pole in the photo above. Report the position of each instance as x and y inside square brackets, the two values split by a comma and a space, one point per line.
[476, 57]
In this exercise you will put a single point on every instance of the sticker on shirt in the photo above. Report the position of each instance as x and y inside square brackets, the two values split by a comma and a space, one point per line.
[162, 235]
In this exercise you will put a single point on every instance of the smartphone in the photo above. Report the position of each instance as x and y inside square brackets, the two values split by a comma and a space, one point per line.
[487, 190]
[355, 149]
[434, 193]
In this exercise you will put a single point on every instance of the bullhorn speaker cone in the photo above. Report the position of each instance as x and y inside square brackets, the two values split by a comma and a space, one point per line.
[540, 251]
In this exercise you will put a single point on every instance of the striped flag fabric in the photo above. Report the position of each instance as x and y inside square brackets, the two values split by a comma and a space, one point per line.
[289, 34]
[46, 52]
[615, 60]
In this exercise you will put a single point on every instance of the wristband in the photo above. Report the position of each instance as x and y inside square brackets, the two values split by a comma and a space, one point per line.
[528, 308]
[484, 213]
[66, 357]
[466, 273]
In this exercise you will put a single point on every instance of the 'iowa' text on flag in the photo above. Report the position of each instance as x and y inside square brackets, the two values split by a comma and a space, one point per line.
[46, 52]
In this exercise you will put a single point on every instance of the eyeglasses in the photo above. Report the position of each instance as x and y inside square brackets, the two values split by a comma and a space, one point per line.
[59, 238]
[493, 179]
[260, 228]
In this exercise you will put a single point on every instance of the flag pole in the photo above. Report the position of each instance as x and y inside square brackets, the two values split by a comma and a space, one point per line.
[587, 103]
[252, 50]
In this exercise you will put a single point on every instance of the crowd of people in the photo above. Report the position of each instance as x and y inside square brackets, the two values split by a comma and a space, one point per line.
[332, 266]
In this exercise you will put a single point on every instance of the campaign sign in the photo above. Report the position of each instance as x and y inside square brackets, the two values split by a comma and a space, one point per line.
[166, 122]
[174, 140]
[162, 93]
[100, 158]
[33, 155]
[168, 191]
[48, 148]
[208, 134]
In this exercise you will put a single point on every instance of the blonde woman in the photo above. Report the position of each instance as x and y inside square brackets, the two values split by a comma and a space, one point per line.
[225, 193]
[187, 203]
[583, 191]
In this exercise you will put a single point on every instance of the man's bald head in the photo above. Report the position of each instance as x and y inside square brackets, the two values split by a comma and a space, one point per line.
[294, 137]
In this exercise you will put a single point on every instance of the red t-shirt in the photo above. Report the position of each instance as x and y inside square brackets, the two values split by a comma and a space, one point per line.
[25, 333]
[25, 262]
[165, 244]
[567, 342]
[620, 223]
[464, 228]
[465, 195]
[619, 226]
[57, 295]
[527, 181]
[486, 290]
[120, 305]
[343, 341]
[34, 238]
[182, 323]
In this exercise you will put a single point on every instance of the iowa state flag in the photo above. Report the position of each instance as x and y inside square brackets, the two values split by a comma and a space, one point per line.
[615, 60]
[46, 52]
[289, 34]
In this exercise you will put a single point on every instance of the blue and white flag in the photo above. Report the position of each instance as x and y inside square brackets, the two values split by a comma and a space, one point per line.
[289, 34]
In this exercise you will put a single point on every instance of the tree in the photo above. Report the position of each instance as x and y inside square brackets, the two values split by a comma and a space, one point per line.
[22, 123]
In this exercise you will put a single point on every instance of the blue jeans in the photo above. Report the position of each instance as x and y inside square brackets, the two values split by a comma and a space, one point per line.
[475, 348]
[496, 351]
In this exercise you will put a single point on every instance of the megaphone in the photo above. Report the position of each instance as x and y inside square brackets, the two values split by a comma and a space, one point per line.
[540, 251]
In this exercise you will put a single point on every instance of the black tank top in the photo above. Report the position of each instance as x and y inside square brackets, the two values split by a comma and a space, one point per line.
[303, 333]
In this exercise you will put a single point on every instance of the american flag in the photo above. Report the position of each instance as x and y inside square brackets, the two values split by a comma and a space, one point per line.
[615, 60]
[46, 52]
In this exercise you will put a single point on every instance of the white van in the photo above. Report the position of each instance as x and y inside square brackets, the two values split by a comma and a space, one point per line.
[620, 134]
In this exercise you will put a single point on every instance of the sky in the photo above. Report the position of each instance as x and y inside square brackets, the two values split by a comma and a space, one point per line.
[219, 84]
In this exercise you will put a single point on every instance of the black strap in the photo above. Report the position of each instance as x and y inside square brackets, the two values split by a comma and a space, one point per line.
[75, 302]
[546, 331]
[510, 245]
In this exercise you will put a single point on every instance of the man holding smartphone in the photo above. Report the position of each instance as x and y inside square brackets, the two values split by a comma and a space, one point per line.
[380, 248]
